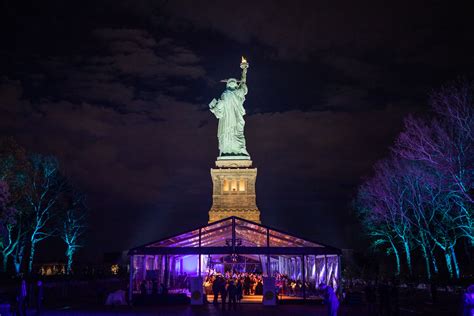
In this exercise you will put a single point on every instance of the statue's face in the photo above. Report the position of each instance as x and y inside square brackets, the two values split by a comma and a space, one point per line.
[232, 84]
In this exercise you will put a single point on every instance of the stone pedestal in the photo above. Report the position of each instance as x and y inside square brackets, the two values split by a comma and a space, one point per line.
[234, 190]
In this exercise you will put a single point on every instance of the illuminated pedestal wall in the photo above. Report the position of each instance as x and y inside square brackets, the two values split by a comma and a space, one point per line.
[234, 190]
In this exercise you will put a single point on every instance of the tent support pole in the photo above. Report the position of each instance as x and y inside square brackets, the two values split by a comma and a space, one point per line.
[200, 268]
[268, 253]
[303, 270]
[326, 270]
[130, 286]
[167, 271]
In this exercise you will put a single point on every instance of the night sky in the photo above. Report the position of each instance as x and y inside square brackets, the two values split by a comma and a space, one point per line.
[119, 92]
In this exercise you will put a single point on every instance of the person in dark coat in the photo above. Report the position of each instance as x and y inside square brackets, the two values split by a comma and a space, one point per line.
[39, 297]
[330, 299]
[247, 285]
[232, 294]
[259, 288]
[223, 291]
[216, 289]
[21, 299]
[239, 291]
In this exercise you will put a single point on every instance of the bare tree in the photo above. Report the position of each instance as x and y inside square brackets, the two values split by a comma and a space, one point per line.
[72, 224]
[381, 206]
[445, 144]
[14, 167]
[7, 224]
[45, 189]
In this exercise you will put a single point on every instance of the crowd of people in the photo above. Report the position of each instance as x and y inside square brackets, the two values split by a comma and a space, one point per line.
[230, 290]
[231, 286]
[287, 286]
[251, 283]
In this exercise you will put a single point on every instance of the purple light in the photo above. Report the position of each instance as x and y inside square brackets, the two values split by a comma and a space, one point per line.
[190, 264]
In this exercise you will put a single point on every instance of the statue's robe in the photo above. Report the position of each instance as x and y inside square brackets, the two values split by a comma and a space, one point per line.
[230, 112]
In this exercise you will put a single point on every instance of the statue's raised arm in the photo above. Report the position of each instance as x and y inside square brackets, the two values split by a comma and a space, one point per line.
[230, 111]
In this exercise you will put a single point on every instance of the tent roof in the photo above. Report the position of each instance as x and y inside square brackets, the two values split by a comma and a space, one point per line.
[234, 235]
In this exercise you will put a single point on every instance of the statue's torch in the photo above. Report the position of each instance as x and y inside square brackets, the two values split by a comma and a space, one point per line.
[244, 65]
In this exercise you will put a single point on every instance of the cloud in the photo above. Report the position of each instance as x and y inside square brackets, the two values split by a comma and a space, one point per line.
[295, 30]
[11, 93]
[134, 166]
[135, 52]
[127, 71]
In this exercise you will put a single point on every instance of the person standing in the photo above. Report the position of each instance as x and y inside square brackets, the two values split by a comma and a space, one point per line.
[239, 291]
[39, 297]
[259, 288]
[232, 293]
[330, 298]
[21, 299]
[223, 291]
[247, 285]
[216, 289]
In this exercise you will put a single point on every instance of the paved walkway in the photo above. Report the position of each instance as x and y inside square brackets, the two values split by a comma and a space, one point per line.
[448, 307]
[257, 299]
[242, 309]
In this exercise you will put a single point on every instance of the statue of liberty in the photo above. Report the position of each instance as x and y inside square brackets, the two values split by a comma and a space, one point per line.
[229, 110]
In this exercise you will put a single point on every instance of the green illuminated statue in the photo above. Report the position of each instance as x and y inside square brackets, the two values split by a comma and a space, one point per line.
[229, 110]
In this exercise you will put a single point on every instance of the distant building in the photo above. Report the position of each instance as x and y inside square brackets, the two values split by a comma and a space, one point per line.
[50, 268]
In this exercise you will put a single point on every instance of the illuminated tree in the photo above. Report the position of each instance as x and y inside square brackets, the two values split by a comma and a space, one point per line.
[422, 195]
[421, 198]
[384, 197]
[72, 224]
[445, 145]
[20, 248]
[14, 167]
[375, 220]
[45, 189]
[7, 225]
[31, 187]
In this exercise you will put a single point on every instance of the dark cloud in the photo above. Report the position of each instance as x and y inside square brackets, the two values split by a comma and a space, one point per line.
[299, 29]
[136, 53]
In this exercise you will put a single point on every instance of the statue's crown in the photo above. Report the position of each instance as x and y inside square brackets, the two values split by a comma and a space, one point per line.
[230, 80]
